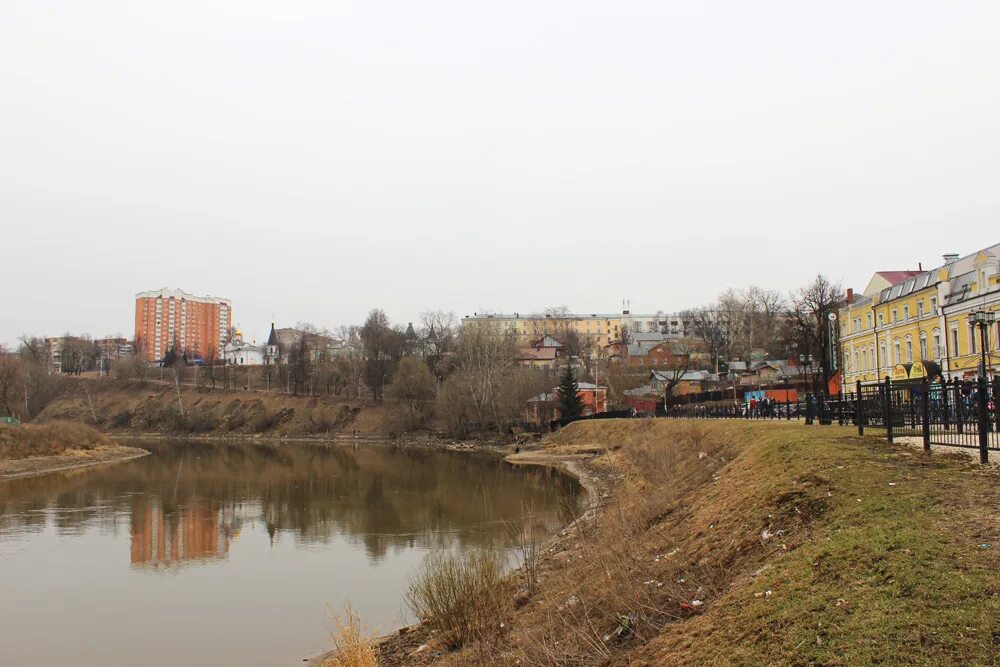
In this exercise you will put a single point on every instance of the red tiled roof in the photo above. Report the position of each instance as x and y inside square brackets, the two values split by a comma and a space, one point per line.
[537, 354]
[894, 277]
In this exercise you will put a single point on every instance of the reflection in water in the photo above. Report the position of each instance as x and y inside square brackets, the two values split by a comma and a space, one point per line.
[250, 533]
[192, 533]
[187, 499]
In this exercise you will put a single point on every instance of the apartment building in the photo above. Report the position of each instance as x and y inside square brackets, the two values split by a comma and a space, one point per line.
[922, 316]
[598, 329]
[166, 318]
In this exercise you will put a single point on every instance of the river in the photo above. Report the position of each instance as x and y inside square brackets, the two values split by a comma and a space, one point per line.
[232, 554]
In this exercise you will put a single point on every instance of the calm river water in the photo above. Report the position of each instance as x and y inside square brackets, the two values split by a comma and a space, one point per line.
[218, 554]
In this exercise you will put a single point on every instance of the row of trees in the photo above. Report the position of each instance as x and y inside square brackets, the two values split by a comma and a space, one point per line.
[26, 383]
[790, 326]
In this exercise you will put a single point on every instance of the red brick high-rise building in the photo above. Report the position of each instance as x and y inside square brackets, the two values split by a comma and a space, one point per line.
[165, 319]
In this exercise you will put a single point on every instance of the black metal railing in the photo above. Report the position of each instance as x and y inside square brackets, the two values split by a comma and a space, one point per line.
[956, 413]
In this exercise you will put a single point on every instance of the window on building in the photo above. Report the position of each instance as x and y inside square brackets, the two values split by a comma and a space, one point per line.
[954, 340]
[896, 351]
[854, 360]
[906, 313]
[923, 346]
[881, 319]
[882, 353]
[869, 320]
[864, 359]
[936, 339]
[895, 317]
[972, 339]
[934, 305]
[909, 349]
[920, 308]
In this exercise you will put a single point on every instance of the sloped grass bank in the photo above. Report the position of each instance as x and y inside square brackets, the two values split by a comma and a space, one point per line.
[22, 441]
[35, 449]
[731, 543]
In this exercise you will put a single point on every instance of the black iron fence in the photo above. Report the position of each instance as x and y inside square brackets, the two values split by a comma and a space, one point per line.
[957, 413]
[770, 410]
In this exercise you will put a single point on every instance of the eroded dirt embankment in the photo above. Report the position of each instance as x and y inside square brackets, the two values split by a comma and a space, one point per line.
[734, 543]
[132, 407]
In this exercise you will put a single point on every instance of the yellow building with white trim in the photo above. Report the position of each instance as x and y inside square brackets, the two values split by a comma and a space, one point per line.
[925, 317]
[596, 329]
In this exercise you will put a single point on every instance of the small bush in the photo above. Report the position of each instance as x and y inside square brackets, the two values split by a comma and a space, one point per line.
[352, 647]
[261, 421]
[122, 420]
[464, 597]
[199, 422]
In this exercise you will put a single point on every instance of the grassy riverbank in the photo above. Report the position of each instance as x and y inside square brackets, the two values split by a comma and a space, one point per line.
[32, 449]
[18, 442]
[734, 543]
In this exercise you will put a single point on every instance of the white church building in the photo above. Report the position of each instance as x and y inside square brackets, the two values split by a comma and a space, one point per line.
[238, 352]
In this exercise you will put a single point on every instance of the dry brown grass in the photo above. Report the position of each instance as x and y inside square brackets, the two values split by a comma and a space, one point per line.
[733, 543]
[626, 578]
[465, 597]
[352, 646]
[18, 442]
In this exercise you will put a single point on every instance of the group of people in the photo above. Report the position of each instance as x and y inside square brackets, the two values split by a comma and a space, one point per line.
[762, 409]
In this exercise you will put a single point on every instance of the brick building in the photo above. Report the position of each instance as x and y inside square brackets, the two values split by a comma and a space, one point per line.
[196, 325]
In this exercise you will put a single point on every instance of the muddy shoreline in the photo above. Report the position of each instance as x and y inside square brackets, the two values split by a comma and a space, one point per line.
[72, 460]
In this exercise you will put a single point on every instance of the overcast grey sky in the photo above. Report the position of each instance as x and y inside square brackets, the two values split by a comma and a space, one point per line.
[313, 160]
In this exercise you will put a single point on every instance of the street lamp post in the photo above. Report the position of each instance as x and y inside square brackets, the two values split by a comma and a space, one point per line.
[806, 362]
[984, 319]
[736, 403]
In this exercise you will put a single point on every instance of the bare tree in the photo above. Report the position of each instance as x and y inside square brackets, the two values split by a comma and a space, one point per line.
[77, 354]
[708, 325]
[486, 356]
[413, 388]
[618, 380]
[351, 359]
[211, 359]
[677, 364]
[90, 402]
[383, 347]
[809, 323]
[300, 364]
[38, 384]
[176, 368]
[139, 353]
[11, 382]
[439, 338]
[767, 310]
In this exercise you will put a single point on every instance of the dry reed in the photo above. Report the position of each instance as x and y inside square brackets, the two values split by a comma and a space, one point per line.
[352, 646]
[465, 597]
